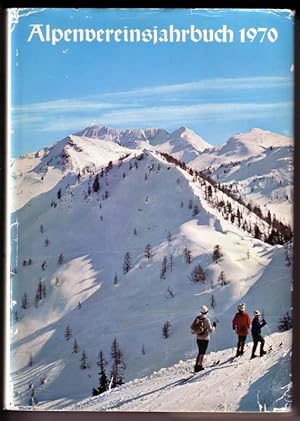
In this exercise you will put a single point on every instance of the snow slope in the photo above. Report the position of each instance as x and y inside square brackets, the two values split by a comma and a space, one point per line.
[262, 385]
[147, 201]
[183, 143]
[259, 165]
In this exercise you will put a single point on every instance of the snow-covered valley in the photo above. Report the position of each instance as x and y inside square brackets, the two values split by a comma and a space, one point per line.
[106, 260]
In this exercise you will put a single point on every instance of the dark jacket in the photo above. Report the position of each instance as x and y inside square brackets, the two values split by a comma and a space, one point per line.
[257, 325]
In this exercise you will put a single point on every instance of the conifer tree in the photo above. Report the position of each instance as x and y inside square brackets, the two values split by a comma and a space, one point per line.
[171, 262]
[118, 365]
[68, 332]
[75, 347]
[60, 259]
[166, 329]
[187, 255]
[222, 279]
[217, 253]
[198, 274]
[116, 279]
[163, 268]
[103, 381]
[126, 263]
[148, 251]
[83, 361]
[96, 184]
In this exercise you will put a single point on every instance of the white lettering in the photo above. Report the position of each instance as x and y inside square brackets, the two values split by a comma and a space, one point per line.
[36, 30]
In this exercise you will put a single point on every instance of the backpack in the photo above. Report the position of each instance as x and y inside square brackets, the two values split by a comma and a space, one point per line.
[198, 326]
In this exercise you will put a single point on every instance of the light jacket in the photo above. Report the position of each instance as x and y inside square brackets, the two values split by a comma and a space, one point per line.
[241, 323]
[208, 328]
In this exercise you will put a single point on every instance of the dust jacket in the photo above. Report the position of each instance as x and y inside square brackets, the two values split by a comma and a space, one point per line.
[150, 210]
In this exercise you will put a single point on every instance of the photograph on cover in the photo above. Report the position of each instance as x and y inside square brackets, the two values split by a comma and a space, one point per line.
[150, 209]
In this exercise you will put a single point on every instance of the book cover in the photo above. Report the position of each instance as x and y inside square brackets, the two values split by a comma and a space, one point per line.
[151, 210]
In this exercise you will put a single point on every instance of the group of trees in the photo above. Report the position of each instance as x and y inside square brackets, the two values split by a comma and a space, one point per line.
[117, 369]
[267, 228]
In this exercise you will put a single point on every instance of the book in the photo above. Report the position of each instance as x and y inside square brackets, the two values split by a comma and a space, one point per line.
[150, 181]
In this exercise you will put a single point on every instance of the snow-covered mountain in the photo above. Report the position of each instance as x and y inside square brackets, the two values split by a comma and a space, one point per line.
[183, 143]
[72, 239]
[259, 166]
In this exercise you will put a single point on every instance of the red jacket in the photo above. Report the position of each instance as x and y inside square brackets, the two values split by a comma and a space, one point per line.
[241, 323]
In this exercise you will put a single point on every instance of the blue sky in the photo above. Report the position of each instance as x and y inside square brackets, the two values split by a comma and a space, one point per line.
[215, 89]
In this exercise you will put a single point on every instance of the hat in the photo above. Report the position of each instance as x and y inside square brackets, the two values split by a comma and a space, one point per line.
[242, 307]
[203, 309]
[256, 313]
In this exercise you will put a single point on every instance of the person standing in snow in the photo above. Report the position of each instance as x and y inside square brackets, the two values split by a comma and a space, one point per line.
[202, 327]
[256, 334]
[241, 324]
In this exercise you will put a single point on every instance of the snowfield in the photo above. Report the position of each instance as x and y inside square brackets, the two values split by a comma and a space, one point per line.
[70, 246]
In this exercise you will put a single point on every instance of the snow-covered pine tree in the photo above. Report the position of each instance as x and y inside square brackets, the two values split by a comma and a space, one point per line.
[36, 300]
[83, 361]
[75, 347]
[222, 279]
[285, 322]
[116, 279]
[96, 184]
[68, 332]
[171, 262]
[166, 329]
[163, 268]
[212, 301]
[148, 251]
[127, 263]
[47, 242]
[41, 228]
[118, 365]
[187, 255]
[217, 253]
[103, 381]
[198, 274]
[60, 259]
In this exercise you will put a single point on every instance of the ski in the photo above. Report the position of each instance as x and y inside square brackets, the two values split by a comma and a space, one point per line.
[213, 364]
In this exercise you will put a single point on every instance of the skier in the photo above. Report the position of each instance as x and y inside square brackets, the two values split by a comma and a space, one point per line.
[202, 327]
[241, 324]
[256, 334]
